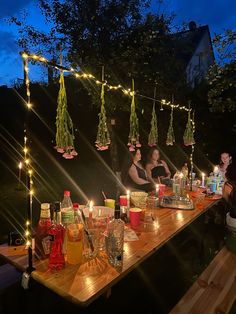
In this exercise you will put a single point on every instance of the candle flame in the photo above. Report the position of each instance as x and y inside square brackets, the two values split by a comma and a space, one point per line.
[20, 165]
[128, 193]
[216, 169]
[203, 174]
[181, 175]
[157, 187]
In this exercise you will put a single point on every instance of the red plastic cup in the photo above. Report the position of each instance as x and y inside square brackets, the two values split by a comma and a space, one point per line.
[135, 217]
[123, 200]
[162, 188]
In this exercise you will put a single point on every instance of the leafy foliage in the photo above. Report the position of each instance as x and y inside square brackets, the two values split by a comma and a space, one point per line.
[222, 75]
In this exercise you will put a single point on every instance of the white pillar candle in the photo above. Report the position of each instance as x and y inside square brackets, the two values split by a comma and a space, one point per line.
[90, 213]
[203, 179]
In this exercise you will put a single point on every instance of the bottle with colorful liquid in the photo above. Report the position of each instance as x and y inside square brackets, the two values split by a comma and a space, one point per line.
[74, 233]
[67, 214]
[57, 235]
[42, 238]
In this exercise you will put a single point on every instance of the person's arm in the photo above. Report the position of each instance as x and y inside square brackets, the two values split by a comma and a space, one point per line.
[166, 169]
[134, 176]
[149, 170]
[227, 188]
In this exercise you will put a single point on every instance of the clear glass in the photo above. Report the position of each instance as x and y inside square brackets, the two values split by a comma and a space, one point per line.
[90, 244]
[115, 242]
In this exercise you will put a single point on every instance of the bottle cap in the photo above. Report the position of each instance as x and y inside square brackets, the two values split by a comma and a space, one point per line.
[75, 205]
[57, 206]
[66, 193]
[45, 206]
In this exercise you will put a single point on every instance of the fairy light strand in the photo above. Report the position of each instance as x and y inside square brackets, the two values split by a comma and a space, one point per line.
[80, 75]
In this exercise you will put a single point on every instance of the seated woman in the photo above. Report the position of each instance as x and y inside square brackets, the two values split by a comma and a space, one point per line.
[225, 161]
[229, 191]
[134, 175]
[229, 194]
[157, 169]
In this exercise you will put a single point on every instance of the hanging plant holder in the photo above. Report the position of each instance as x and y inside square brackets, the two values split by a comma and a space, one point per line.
[64, 125]
[153, 135]
[103, 137]
[134, 125]
[170, 134]
[189, 131]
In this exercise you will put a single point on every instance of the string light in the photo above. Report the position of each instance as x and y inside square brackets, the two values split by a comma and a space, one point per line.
[98, 82]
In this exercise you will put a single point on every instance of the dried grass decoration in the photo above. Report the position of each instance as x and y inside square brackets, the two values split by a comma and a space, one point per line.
[103, 137]
[189, 132]
[170, 134]
[153, 135]
[133, 141]
[64, 125]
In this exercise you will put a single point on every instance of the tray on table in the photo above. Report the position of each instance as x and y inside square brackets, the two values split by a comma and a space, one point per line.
[177, 202]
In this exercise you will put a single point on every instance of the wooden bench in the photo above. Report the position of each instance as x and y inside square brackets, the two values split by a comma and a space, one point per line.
[215, 289]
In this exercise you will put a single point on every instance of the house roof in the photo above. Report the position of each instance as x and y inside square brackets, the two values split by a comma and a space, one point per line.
[188, 41]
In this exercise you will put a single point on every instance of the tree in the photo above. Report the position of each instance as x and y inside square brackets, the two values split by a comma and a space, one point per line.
[222, 75]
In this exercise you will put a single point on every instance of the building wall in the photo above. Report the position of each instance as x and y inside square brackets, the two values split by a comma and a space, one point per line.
[200, 62]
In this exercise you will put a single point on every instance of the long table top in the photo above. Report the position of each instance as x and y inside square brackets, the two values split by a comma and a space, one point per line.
[84, 284]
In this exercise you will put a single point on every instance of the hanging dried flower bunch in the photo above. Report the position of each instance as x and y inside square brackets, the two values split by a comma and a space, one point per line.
[189, 131]
[103, 137]
[134, 125]
[153, 135]
[64, 124]
[170, 134]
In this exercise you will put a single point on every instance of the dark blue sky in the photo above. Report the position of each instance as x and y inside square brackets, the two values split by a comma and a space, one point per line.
[218, 14]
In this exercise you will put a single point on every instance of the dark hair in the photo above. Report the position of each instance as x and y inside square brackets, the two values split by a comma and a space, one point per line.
[127, 163]
[149, 155]
[231, 173]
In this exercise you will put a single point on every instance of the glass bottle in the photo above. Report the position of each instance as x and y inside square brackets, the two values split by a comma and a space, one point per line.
[57, 234]
[74, 233]
[115, 239]
[176, 183]
[42, 239]
[67, 214]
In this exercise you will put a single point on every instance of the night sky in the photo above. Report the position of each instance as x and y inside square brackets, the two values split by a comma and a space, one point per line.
[217, 14]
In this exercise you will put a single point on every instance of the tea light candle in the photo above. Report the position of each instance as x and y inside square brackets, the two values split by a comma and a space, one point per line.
[203, 179]
[157, 189]
[90, 213]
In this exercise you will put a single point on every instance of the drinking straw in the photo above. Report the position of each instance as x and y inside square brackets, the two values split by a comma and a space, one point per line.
[86, 230]
[104, 195]
[158, 179]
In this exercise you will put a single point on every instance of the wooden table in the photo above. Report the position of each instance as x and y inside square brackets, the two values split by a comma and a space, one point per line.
[84, 284]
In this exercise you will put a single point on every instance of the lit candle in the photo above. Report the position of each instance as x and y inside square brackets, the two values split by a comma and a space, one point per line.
[128, 198]
[157, 189]
[19, 176]
[128, 203]
[90, 213]
[203, 179]
[216, 169]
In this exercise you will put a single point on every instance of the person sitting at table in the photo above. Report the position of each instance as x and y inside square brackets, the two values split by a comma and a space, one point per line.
[225, 161]
[229, 194]
[229, 190]
[156, 168]
[134, 175]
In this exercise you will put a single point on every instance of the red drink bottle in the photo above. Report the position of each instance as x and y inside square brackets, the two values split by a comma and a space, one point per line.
[57, 234]
[42, 238]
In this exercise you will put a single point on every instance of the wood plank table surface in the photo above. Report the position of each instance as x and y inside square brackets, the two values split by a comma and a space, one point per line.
[84, 284]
